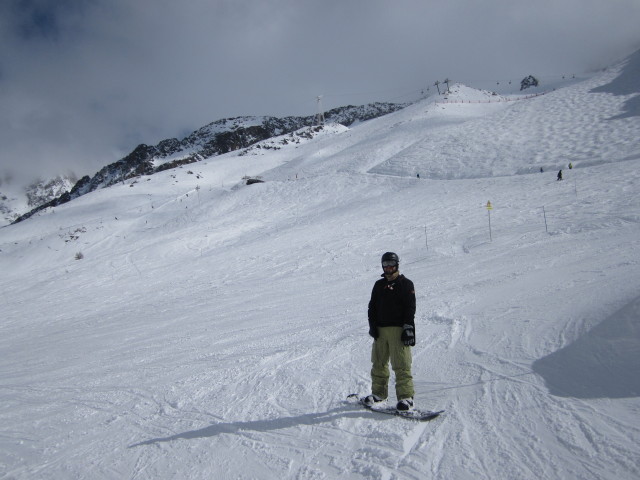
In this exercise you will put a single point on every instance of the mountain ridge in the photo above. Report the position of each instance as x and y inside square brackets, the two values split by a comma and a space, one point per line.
[216, 138]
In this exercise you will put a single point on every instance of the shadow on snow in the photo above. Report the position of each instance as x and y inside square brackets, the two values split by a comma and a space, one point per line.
[626, 84]
[604, 363]
[262, 425]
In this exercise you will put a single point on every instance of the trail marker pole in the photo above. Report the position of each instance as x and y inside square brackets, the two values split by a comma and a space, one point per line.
[545, 220]
[426, 238]
[320, 114]
[489, 208]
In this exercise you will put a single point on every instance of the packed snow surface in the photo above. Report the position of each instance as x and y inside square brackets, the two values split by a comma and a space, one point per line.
[186, 325]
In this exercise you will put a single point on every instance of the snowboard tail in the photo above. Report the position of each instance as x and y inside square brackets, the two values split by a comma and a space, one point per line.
[415, 414]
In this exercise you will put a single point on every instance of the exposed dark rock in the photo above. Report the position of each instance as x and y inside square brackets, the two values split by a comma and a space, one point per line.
[222, 136]
[528, 82]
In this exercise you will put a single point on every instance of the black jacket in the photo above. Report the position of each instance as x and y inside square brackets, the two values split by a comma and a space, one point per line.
[392, 304]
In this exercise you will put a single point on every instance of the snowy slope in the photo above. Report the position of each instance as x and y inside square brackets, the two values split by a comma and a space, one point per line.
[212, 329]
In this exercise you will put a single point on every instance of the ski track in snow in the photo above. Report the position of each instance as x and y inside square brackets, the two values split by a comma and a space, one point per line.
[215, 333]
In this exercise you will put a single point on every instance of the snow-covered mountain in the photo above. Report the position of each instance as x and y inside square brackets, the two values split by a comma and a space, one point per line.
[187, 325]
[42, 191]
[16, 199]
[222, 136]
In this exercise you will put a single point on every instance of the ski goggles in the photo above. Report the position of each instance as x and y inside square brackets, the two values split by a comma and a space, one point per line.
[389, 263]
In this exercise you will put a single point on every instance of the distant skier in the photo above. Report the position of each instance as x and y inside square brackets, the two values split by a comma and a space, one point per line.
[560, 175]
[541, 170]
[570, 165]
[391, 312]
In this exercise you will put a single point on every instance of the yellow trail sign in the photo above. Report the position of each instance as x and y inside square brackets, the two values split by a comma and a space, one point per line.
[489, 206]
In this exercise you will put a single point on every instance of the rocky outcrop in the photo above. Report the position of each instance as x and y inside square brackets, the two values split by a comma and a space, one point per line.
[222, 136]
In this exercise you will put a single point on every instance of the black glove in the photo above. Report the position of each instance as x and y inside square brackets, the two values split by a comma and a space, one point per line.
[408, 335]
[373, 331]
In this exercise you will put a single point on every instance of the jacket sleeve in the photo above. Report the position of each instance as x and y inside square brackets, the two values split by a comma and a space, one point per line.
[409, 303]
[372, 308]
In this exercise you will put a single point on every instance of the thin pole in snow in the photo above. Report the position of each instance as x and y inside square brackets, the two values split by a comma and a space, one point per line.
[489, 208]
[545, 220]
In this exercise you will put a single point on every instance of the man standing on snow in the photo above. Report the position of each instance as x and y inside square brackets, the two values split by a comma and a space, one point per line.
[392, 310]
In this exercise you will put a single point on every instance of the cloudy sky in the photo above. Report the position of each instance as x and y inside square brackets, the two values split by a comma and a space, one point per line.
[82, 82]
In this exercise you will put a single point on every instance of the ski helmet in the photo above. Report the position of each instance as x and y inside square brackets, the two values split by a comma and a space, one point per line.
[390, 257]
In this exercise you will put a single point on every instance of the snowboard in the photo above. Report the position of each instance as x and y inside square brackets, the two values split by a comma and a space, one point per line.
[415, 414]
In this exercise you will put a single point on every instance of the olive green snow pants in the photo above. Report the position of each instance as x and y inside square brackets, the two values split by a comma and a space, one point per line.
[388, 346]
